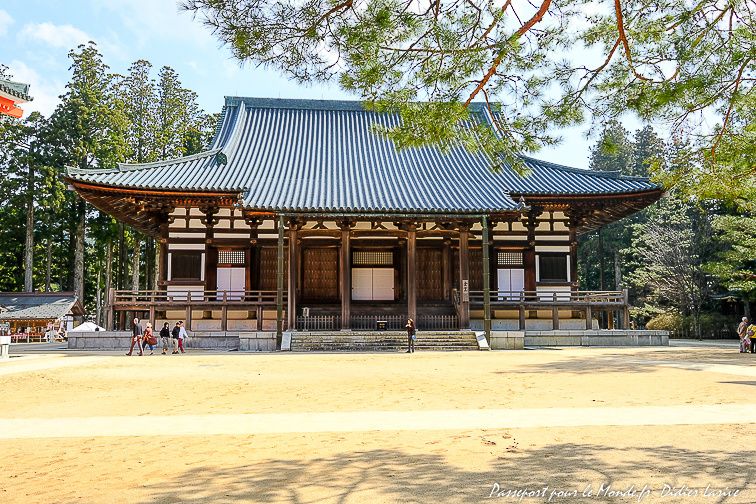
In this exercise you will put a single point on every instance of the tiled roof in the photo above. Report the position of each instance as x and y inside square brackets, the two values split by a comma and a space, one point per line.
[323, 156]
[22, 306]
[15, 89]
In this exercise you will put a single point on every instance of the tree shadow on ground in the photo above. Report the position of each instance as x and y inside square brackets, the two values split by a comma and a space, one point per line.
[395, 475]
[629, 362]
[752, 383]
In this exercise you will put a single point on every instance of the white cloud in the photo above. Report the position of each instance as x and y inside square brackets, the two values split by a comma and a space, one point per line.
[45, 92]
[5, 21]
[69, 37]
[158, 19]
[61, 36]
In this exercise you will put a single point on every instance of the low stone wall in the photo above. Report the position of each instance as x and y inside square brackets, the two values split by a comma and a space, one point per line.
[99, 340]
[508, 325]
[600, 337]
[218, 340]
[257, 341]
[507, 340]
[213, 340]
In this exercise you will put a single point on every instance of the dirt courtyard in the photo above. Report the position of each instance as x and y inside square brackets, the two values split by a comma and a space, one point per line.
[671, 425]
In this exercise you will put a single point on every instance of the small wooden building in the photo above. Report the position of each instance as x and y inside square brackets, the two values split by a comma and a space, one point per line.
[29, 314]
[300, 216]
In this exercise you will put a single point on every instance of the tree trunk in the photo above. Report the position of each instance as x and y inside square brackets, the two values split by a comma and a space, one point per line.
[135, 264]
[747, 309]
[697, 324]
[617, 271]
[48, 265]
[158, 258]
[108, 274]
[98, 306]
[149, 260]
[602, 266]
[121, 271]
[81, 234]
[29, 244]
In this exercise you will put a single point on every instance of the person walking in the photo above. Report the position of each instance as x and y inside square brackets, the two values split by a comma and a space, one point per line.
[411, 335]
[136, 337]
[165, 337]
[175, 332]
[182, 336]
[750, 338]
[149, 339]
[742, 329]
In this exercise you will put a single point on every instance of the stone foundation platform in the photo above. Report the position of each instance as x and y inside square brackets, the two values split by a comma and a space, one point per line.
[517, 340]
[217, 340]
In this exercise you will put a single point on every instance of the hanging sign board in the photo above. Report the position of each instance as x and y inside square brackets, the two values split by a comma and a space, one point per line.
[465, 291]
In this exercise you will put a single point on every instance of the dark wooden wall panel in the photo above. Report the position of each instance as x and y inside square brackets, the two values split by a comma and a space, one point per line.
[320, 280]
[430, 279]
[268, 268]
[476, 269]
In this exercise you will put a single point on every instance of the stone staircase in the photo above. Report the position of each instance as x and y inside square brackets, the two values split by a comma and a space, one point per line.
[381, 341]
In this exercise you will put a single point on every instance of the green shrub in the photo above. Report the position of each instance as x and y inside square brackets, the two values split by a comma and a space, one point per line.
[669, 321]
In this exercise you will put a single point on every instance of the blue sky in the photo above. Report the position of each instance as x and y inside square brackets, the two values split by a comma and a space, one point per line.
[36, 35]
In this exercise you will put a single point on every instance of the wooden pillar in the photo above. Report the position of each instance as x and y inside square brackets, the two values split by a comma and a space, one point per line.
[162, 262]
[345, 274]
[291, 310]
[554, 315]
[152, 317]
[625, 309]
[446, 268]
[188, 315]
[412, 272]
[211, 253]
[529, 255]
[280, 282]
[573, 223]
[224, 313]
[464, 277]
[486, 281]
[521, 316]
[610, 322]
[588, 318]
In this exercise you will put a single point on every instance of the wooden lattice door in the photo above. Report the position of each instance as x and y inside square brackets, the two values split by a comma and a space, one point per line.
[320, 279]
[269, 268]
[430, 275]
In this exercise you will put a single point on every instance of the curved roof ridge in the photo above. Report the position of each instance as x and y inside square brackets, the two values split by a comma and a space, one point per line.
[614, 174]
[124, 167]
[129, 167]
[314, 104]
[218, 127]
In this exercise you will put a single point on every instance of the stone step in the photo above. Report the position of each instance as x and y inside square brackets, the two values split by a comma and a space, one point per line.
[386, 341]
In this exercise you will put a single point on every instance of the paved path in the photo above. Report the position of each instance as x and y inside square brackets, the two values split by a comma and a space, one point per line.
[281, 423]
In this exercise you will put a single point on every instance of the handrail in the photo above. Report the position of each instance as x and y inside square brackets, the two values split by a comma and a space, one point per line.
[550, 297]
[189, 296]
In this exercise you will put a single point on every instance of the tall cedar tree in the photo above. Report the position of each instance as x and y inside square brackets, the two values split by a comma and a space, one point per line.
[89, 127]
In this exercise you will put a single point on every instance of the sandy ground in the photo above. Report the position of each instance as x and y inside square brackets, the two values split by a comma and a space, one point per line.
[674, 463]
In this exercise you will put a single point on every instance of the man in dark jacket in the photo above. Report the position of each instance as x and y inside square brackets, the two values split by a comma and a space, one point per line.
[136, 337]
[175, 334]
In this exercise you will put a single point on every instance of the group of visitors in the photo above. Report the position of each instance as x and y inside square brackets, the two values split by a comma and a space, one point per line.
[747, 335]
[170, 338]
